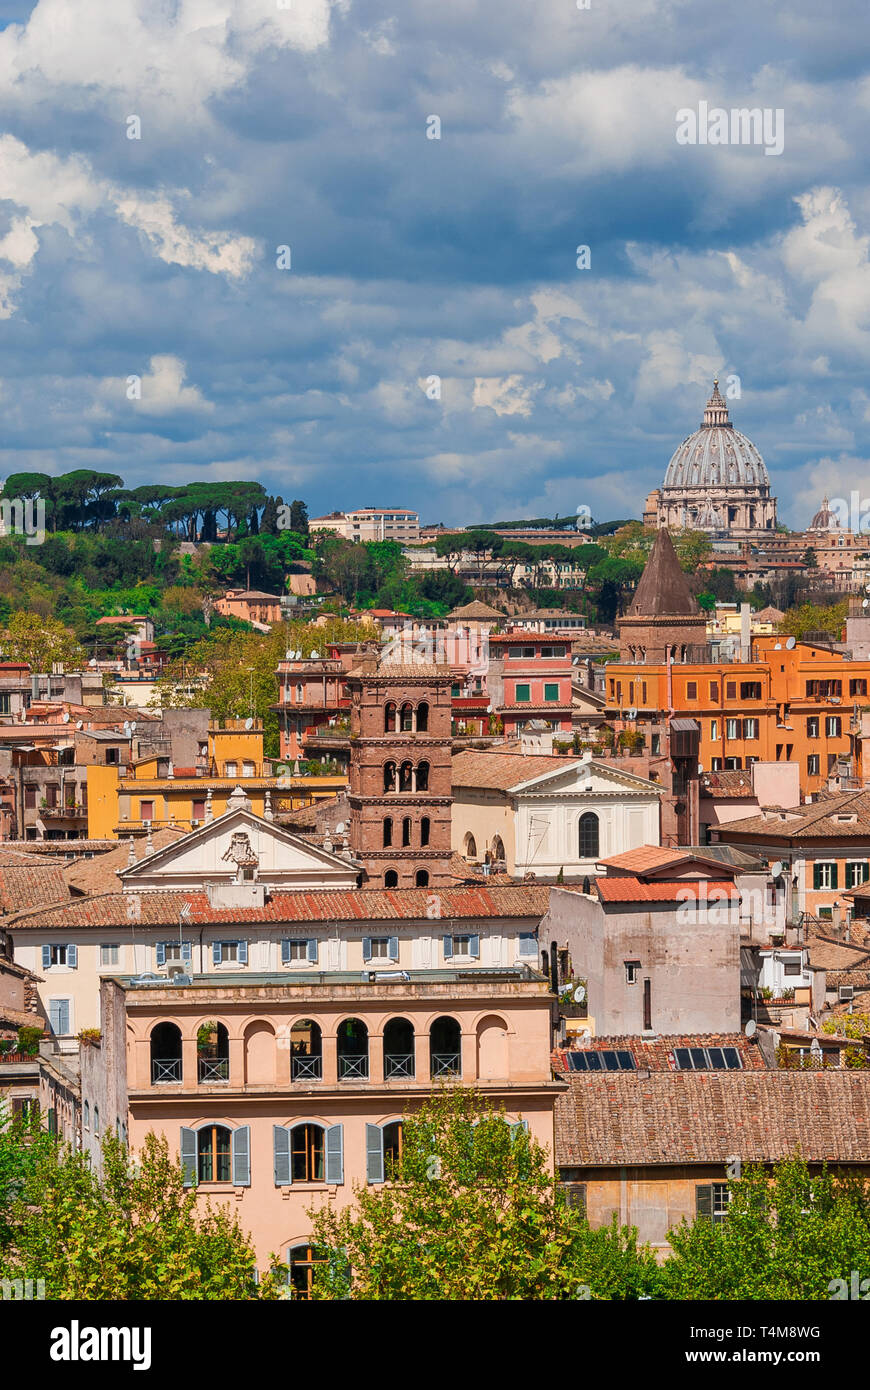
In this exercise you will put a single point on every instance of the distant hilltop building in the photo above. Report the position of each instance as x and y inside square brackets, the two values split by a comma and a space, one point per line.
[716, 481]
[371, 524]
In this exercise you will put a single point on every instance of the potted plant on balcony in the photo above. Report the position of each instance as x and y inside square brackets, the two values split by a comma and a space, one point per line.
[206, 1038]
[28, 1041]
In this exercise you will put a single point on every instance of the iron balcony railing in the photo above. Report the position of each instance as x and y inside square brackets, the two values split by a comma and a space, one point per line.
[165, 1069]
[307, 1068]
[353, 1068]
[398, 1064]
[446, 1064]
[214, 1068]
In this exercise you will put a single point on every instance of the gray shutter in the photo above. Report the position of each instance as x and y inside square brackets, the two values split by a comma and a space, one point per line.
[160, 948]
[448, 947]
[528, 944]
[704, 1200]
[393, 948]
[311, 949]
[186, 952]
[281, 1151]
[285, 952]
[46, 957]
[242, 1156]
[374, 1153]
[216, 953]
[72, 956]
[188, 1156]
[243, 953]
[335, 1153]
[474, 946]
[367, 948]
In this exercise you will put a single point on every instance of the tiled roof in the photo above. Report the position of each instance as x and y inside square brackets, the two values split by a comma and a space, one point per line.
[768, 615]
[727, 784]
[633, 890]
[812, 822]
[328, 905]
[23, 888]
[500, 771]
[657, 1053]
[836, 955]
[616, 1119]
[476, 609]
[644, 857]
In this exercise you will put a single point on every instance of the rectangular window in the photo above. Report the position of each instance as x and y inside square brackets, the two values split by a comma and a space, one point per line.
[58, 955]
[732, 728]
[858, 687]
[691, 690]
[750, 728]
[575, 1195]
[298, 950]
[546, 651]
[528, 652]
[229, 951]
[716, 765]
[59, 1016]
[714, 729]
[813, 727]
[248, 769]
[380, 948]
[632, 972]
[199, 810]
[792, 967]
[231, 769]
[655, 744]
[146, 810]
[109, 955]
[711, 1201]
[833, 725]
[857, 872]
[522, 694]
[825, 875]
[714, 690]
[813, 765]
[4, 704]
[29, 798]
[730, 690]
[750, 690]
[551, 691]
[112, 756]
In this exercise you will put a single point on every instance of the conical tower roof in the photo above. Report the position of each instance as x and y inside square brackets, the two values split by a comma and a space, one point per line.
[663, 590]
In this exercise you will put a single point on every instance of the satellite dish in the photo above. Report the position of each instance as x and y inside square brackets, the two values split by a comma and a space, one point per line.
[339, 829]
[579, 994]
[777, 647]
[80, 724]
[865, 603]
[249, 723]
[65, 716]
[313, 654]
[133, 727]
[700, 767]
[790, 644]
[751, 1028]
[776, 869]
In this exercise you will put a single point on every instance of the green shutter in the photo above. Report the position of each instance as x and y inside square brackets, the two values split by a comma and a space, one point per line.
[834, 868]
[817, 875]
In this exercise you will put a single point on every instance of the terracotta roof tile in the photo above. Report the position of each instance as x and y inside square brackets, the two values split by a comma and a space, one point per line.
[501, 771]
[632, 890]
[27, 887]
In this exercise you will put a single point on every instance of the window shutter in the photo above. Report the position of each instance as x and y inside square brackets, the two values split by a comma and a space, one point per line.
[834, 868]
[374, 1153]
[285, 952]
[335, 1153]
[311, 949]
[528, 944]
[186, 955]
[46, 957]
[72, 955]
[474, 946]
[160, 948]
[367, 948]
[188, 1156]
[281, 1151]
[216, 953]
[242, 1156]
[817, 875]
[448, 947]
[393, 948]
[243, 953]
[704, 1200]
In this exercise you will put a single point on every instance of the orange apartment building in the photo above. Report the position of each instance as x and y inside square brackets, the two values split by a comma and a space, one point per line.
[800, 704]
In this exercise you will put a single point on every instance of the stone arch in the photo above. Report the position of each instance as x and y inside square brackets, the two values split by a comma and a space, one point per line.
[492, 1049]
[260, 1054]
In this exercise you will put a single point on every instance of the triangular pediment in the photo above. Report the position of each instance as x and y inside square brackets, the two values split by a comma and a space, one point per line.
[241, 844]
[589, 777]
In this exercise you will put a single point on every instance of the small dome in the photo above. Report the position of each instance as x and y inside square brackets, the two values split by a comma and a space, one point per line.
[825, 519]
[716, 455]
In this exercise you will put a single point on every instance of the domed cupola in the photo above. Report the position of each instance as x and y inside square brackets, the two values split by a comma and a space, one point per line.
[825, 519]
[716, 455]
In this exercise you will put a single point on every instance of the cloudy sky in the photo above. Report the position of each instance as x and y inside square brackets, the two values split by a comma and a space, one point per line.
[303, 124]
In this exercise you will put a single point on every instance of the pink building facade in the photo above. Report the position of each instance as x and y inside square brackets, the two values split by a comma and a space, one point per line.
[535, 681]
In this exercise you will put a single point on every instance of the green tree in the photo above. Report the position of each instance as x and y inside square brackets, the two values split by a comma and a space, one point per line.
[299, 517]
[137, 1233]
[471, 1211]
[786, 1235]
[811, 617]
[40, 641]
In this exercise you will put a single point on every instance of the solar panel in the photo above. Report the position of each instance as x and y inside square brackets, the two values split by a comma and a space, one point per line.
[577, 1061]
[593, 1061]
[626, 1061]
[699, 1060]
[682, 1058]
[732, 1059]
[611, 1061]
[716, 1057]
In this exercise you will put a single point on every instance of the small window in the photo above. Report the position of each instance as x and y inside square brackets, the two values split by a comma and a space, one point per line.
[380, 948]
[58, 955]
[574, 1194]
[792, 967]
[214, 1145]
[109, 955]
[112, 755]
[522, 694]
[298, 950]
[730, 690]
[691, 690]
[711, 1201]
[249, 769]
[551, 691]
[146, 810]
[306, 1153]
[813, 727]
[833, 726]
[714, 690]
[813, 765]
[231, 769]
[632, 972]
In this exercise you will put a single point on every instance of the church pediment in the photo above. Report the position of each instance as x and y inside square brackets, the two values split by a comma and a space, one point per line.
[241, 847]
[586, 778]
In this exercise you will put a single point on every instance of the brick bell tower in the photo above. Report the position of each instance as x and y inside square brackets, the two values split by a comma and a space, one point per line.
[400, 773]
